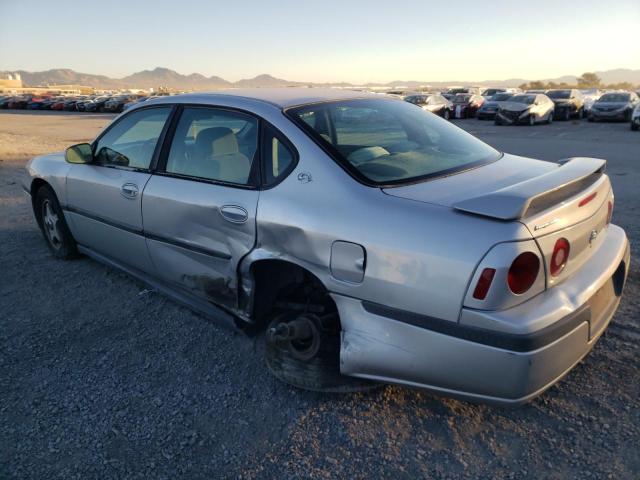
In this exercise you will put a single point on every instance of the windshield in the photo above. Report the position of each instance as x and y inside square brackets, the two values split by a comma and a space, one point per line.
[492, 91]
[501, 97]
[528, 99]
[614, 97]
[559, 93]
[390, 142]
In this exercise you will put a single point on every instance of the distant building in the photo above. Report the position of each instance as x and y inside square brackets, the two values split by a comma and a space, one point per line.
[10, 81]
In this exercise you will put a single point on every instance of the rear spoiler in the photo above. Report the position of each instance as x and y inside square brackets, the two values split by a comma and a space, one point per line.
[536, 194]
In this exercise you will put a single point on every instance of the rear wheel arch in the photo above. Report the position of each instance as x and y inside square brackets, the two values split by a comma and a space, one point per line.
[272, 281]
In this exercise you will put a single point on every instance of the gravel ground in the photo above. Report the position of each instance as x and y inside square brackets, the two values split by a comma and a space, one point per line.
[101, 378]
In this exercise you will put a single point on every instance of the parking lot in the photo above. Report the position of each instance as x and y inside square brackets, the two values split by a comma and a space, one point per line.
[102, 378]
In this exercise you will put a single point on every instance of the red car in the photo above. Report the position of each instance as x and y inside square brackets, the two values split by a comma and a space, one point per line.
[466, 105]
[58, 104]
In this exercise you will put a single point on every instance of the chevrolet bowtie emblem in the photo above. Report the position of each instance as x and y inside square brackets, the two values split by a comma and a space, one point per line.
[592, 236]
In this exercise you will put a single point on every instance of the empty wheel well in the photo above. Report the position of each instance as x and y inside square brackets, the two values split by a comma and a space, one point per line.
[281, 286]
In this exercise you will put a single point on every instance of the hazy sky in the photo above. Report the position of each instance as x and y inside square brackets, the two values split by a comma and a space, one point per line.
[328, 40]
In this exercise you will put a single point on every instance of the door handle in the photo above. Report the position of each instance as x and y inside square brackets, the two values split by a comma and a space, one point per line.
[129, 190]
[234, 213]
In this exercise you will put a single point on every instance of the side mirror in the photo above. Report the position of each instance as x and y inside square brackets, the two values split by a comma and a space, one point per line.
[80, 153]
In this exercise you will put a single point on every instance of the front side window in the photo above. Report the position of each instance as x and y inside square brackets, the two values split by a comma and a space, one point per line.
[132, 141]
[385, 141]
[214, 144]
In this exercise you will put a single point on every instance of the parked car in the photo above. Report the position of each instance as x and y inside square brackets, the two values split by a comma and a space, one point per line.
[490, 92]
[526, 108]
[569, 103]
[491, 105]
[449, 96]
[69, 104]
[97, 104]
[590, 95]
[614, 106]
[36, 103]
[481, 284]
[466, 105]
[469, 90]
[4, 101]
[635, 118]
[432, 102]
[116, 104]
[19, 102]
[58, 104]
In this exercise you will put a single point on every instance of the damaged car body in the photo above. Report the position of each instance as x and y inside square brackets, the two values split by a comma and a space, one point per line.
[371, 241]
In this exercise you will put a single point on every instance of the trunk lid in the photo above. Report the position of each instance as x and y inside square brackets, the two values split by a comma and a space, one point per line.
[567, 200]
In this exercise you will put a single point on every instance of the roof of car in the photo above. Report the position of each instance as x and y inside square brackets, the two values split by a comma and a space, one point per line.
[280, 97]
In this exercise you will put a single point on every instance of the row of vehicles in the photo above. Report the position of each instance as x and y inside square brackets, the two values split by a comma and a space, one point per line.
[80, 103]
[533, 106]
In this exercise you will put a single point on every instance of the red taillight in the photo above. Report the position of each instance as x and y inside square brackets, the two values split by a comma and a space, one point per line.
[484, 282]
[523, 272]
[559, 257]
[609, 212]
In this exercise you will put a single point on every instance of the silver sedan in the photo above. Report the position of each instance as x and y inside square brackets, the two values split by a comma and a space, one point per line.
[366, 239]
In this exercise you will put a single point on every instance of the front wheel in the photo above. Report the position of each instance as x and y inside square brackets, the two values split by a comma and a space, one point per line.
[532, 120]
[550, 118]
[446, 115]
[53, 225]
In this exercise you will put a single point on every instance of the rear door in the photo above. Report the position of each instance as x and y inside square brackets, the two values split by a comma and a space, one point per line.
[199, 208]
[104, 199]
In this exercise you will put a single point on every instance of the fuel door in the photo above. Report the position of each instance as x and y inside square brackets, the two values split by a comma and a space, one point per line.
[348, 261]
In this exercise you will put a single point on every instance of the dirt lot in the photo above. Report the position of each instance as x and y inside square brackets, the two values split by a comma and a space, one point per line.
[101, 378]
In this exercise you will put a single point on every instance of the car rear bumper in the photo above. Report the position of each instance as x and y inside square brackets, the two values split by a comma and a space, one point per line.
[495, 366]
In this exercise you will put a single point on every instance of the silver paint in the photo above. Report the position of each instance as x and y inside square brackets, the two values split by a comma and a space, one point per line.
[414, 251]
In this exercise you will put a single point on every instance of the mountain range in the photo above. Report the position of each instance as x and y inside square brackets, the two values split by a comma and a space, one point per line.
[164, 77]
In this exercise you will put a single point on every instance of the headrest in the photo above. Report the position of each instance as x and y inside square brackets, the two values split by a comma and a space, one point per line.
[217, 141]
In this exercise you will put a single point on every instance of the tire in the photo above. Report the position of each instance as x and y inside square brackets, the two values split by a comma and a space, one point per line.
[550, 118]
[567, 115]
[446, 115]
[532, 120]
[627, 115]
[591, 119]
[635, 127]
[321, 373]
[54, 228]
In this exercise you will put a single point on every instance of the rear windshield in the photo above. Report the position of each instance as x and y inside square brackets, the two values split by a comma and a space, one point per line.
[385, 142]
[559, 93]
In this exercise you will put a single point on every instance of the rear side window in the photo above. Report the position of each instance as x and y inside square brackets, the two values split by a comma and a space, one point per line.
[132, 141]
[278, 157]
[214, 144]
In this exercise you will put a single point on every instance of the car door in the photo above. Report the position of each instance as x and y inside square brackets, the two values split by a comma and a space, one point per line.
[199, 209]
[104, 198]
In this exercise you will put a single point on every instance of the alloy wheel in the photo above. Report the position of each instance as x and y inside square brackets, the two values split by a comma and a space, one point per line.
[50, 222]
